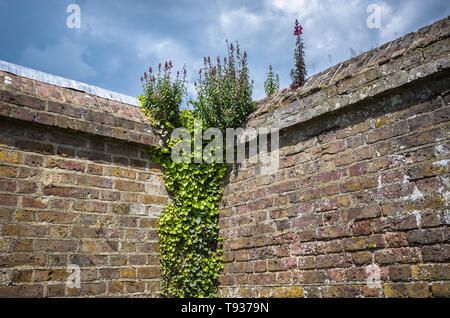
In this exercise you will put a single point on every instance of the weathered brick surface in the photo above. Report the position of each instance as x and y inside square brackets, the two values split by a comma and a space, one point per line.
[73, 190]
[363, 183]
[366, 185]
[32, 101]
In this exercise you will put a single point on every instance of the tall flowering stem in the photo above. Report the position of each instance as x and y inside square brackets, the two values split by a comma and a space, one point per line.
[298, 74]
[163, 95]
[224, 90]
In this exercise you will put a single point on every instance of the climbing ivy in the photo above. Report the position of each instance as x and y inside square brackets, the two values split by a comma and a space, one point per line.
[191, 253]
[190, 246]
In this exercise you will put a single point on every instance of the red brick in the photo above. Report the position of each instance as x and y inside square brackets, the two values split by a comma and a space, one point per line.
[67, 165]
[387, 132]
[399, 255]
[23, 113]
[45, 119]
[333, 231]
[332, 176]
[35, 147]
[7, 185]
[363, 213]
[64, 109]
[362, 228]
[364, 242]
[284, 187]
[8, 200]
[88, 289]
[58, 191]
[94, 181]
[436, 253]
[24, 291]
[395, 224]
[129, 186]
[425, 237]
[358, 169]
[334, 147]
[400, 273]
[362, 258]
[397, 239]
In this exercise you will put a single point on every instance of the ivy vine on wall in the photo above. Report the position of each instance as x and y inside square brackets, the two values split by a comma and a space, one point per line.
[190, 246]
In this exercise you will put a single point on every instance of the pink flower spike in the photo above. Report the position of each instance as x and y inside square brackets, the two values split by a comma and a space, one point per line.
[298, 30]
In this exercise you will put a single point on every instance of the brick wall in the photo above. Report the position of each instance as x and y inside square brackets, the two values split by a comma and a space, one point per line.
[362, 186]
[76, 187]
[363, 182]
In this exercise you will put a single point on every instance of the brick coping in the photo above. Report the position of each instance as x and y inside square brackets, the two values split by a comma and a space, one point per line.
[30, 100]
[66, 83]
[409, 58]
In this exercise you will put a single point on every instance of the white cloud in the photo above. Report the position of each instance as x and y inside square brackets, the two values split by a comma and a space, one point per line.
[238, 24]
[238, 19]
[332, 30]
[185, 32]
[394, 24]
[300, 8]
[149, 45]
[162, 49]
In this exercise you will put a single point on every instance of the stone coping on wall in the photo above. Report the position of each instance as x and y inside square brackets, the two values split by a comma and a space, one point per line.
[65, 82]
[35, 101]
[412, 57]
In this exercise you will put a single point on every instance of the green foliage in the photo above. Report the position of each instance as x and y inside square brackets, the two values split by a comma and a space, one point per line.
[162, 98]
[272, 83]
[224, 91]
[190, 246]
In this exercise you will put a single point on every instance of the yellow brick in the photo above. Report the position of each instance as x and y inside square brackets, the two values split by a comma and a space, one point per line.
[412, 290]
[122, 173]
[115, 287]
[3, 245]
[441, 290]
[88, 246]
[128, 273]
[11, 157]
[151, 199]
[8, 172]
[288, 292]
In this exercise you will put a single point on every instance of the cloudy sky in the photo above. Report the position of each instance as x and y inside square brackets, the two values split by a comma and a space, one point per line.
[119, 39]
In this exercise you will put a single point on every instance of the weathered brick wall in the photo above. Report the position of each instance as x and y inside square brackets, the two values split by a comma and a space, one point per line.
[76, 187]
[363, 181]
